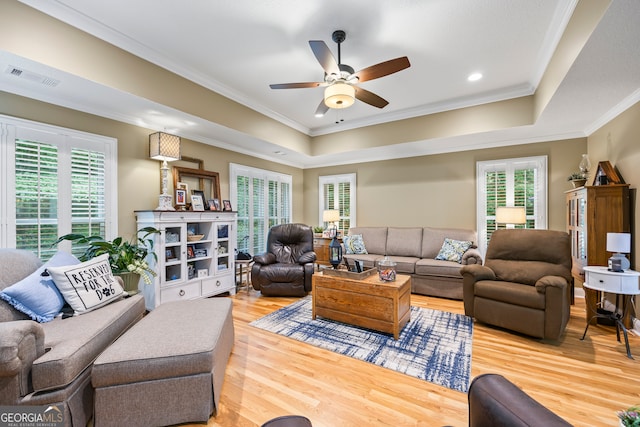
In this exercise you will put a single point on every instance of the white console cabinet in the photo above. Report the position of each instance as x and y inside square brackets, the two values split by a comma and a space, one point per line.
[195, 255]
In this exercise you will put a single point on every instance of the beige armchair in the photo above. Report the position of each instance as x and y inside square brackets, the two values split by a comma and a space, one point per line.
[525, 283]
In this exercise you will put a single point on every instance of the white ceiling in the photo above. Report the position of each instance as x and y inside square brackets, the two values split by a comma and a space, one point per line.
[238, 47]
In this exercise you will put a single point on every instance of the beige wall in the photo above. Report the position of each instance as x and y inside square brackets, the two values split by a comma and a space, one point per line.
[440, 190]
[139, 176]
[619, 142]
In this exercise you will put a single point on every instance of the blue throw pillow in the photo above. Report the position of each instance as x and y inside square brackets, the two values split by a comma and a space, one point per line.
[353, 244]
[36, 295]
[452, 250]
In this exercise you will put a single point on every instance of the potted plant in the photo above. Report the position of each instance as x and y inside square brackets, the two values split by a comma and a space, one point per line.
[127, 258]
[630, 417]
[317, 231]
[578, 179]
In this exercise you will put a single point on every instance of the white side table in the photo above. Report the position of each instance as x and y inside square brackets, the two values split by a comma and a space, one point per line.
[625, 284]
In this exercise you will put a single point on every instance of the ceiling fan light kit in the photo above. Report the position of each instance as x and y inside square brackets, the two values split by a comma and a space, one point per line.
[340, 79]
[339, 95]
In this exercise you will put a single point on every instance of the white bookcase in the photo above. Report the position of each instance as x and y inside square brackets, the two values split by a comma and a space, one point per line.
[190, 267]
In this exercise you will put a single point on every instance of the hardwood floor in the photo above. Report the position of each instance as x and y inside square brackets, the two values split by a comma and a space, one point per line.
[585, 382]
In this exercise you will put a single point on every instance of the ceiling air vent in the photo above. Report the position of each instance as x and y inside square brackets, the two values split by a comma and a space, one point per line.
[31, 76]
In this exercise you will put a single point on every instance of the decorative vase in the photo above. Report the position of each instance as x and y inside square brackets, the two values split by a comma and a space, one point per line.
[585, 164]
[130, 280]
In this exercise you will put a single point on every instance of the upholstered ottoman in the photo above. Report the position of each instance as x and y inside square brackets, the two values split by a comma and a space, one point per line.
[168, 368]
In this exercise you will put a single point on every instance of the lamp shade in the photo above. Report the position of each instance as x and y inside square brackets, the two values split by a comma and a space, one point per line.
[339, 95]
[619, 242]
[164, 147]
[331, 215]
[511, 215]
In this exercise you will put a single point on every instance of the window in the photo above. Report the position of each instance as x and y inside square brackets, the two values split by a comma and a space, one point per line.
[262, 199]
[511, 182]
[55, 181]
[338, 192]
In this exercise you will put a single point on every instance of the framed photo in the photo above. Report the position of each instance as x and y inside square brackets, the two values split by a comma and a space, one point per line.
[201, 194]
[214, 204]
[181, 197]
[169, 254]
[190, 252]
[182, 186]
[226, 205]
[197, 203]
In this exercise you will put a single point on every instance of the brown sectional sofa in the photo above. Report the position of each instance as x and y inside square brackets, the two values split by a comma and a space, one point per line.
[50, 363]
[414, 249]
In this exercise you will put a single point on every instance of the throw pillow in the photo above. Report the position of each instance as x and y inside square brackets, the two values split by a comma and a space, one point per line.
[88, 285]
[354, 244]
[452, 250]
[36, 295]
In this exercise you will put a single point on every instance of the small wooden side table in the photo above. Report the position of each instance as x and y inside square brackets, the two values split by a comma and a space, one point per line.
[243, 265]
[624, 284]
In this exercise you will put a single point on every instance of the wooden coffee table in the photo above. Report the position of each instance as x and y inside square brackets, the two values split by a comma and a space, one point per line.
[368, 303]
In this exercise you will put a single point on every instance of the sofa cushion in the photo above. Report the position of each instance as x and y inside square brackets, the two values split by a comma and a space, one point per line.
[433, 238]
[88, 285]
[375, 238]
[36, 295]
[510, 293]
[404, 264]
[353, 244]
[75, 342]
[452, 250]
[434, 267]
[404, 241]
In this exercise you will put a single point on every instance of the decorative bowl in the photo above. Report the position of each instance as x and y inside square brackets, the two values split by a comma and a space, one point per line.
[194, 237]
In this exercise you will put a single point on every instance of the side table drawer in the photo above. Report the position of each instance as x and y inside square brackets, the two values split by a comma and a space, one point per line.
[612, 282]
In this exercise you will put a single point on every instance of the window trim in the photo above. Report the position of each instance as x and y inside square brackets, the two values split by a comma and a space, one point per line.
[65, 139]
[336, 179]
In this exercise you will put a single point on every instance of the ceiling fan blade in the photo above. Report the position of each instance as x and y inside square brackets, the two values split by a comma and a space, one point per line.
[370, 98]
[296, 85]
[382, 69]
[322, 109]
[324, 57]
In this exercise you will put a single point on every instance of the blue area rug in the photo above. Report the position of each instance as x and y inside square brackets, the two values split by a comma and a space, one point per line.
[434, 346]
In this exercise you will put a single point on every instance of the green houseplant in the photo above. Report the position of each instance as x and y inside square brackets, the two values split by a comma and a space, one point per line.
[630, 417]
[578, 179]
[124, 256]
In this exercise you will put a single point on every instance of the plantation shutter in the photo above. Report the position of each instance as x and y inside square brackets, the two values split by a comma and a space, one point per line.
[54, 181]
[263, 199]
[338, 192]
[36, 197]
[511, 182]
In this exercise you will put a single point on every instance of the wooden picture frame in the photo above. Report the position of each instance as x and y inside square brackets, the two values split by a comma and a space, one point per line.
[199, 179]
[606, 169]
[226, 206]
[169, 254]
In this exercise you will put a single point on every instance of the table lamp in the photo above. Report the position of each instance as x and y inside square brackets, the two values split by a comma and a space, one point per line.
[332, 217]
[166, 148]
[511, 215]
[620, 244]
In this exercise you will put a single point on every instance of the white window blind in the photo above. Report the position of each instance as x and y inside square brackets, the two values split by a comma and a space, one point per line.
[338, 192]
[55, 181]
[263, 199]
[511, 182]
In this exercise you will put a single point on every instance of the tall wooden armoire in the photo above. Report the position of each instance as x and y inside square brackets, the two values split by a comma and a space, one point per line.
[592, 212]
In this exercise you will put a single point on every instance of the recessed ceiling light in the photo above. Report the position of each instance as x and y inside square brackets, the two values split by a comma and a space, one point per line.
[474, 77]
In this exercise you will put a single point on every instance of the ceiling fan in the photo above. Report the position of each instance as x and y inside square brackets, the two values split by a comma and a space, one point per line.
[340, 79]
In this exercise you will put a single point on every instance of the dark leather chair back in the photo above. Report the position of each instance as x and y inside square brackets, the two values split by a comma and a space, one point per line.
[289, 241]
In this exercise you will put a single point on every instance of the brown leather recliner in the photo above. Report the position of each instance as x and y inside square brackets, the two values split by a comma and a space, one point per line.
[494, 401]
[525, 283]
[287, 266]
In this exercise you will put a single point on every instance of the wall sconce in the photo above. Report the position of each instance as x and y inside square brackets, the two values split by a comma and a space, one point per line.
[339, 95]
[511, 215]
[164, 147]
[620, 243]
